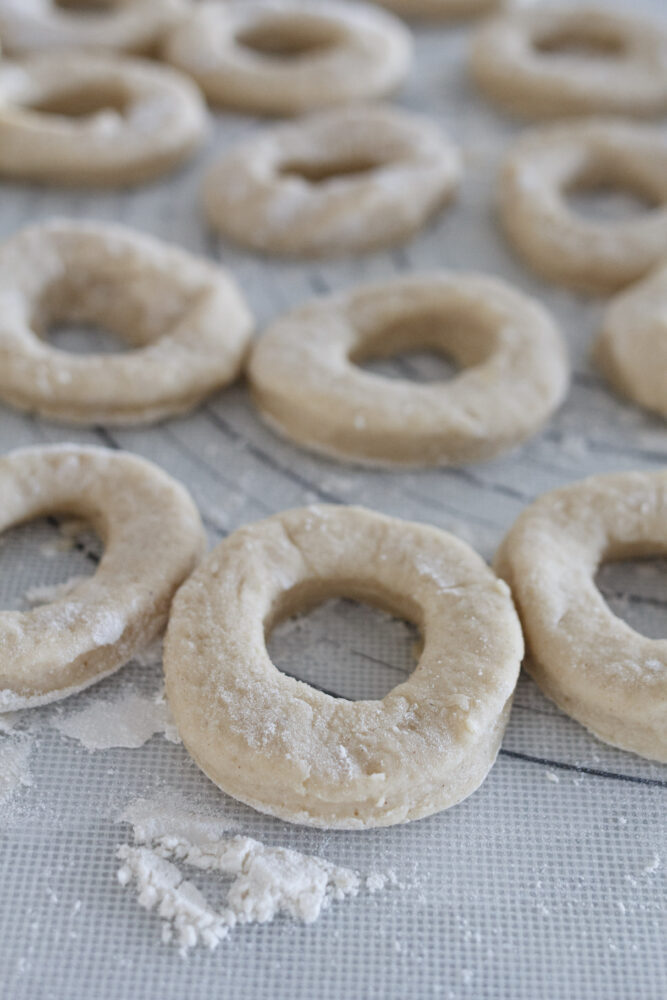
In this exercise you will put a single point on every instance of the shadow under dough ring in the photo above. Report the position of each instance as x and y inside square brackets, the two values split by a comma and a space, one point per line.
[343, 181]
[135, 26]
[562, 244]
[531, 62]
[104, 120]
[183, 316]
[152, 537]
[305, 376]
[285, 57]
[440, 9]
[592, 664]
[291, 750]
[631, 348]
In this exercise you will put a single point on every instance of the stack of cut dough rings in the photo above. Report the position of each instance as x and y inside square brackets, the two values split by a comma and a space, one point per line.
[82, 105]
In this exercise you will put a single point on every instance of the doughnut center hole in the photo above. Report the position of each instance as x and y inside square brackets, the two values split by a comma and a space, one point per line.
[87, 6]
[580, 43]
[424, 347]
[601, 197]
[345, 648]
[636, 592]
[288, 38]
[43, 554]
[83, 103]
[321, 171]
[85, 338]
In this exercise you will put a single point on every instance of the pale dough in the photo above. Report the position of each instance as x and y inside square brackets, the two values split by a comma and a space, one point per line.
[591, 663]
[336, 182]
[553, 61]
[306, 381]
[290, 750]
[82, 119]
[152, 537]
[127, 25]
[631, 348]
[183, 316]
[285, 57]
[554, 239]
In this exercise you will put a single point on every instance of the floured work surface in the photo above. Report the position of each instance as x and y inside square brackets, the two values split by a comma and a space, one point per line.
[548, 882]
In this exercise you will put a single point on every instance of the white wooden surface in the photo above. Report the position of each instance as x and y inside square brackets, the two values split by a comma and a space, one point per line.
[549, 882]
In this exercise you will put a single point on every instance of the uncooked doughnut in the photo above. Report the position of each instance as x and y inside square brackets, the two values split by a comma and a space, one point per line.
[285, 57]
[83, 119]
[290, 750]
[128, 25]
[183, 315]
[552, 61]
[152, 539]
[336, 182]
[306, 381]
[631, 348]
[558, 242]
[591, 663]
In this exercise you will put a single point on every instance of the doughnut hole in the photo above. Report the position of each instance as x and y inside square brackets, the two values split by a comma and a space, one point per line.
[609, 193]
[319, 172]
[83, 103]
[347, 648]
[584, 41]
[636, 591]
[45, 553]
[424, 348]
[289, 36]
[84, 313]
[87, 6]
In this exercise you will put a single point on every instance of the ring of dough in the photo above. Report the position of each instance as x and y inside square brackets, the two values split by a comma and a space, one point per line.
[306, 381]
[83, 119]
[288, 749]
[183, 316]
[631, 348]
[153, 538]
[285, 57]
[592, 664]
[551, 61]
[558, 242]
[336, 182]
[134, 26]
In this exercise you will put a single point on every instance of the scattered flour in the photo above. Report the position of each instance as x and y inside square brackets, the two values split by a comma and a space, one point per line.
[46, 595]
[14, 770]
[128, 721]
[266, 881]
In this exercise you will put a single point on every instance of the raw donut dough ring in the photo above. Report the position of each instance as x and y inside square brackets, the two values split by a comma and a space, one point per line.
[592, 664]
[288, 749]
[107, 120]
[306, 383]
[627, 77]
[343, 53]
[183, 315]
[275, 192]
[131, 26]
[631, 348]
[563, 245]
[153, 538]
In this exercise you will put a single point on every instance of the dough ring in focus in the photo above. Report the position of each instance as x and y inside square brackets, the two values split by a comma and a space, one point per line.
[436, 9]
[631, 348]
[285, 57]
[563, 245]
[183, 316]
[599, 670]
[152, 538]
[127, 25]
[288, 749]
[531, 61]
[336, 182]
[306, 381]
[84, 119]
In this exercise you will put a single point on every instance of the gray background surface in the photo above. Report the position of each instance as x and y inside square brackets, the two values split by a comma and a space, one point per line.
[547, 883]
